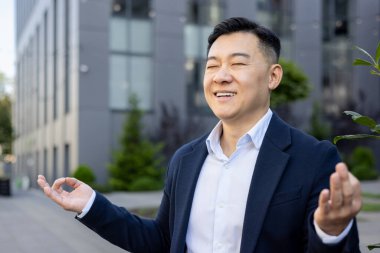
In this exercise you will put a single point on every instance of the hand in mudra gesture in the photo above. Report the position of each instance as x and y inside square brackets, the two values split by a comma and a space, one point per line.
[73, 201]
[339, 205]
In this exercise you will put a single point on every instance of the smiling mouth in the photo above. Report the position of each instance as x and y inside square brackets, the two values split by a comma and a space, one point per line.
[224, 94]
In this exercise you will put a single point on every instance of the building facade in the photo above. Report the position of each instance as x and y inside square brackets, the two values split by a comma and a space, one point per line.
[79, 61]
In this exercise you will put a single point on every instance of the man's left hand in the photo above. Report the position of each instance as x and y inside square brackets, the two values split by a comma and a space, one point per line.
[339, 205]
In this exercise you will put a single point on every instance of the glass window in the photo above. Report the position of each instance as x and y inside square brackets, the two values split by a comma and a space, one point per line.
[118, 82]
[132, 8]
[139, 8]
[337, 50]
[194, 76]
[130, 75]
[130, 35]
[131, 49]
[201, 17]
[276, 14]
[119, 7]
[141, 36]
[191, 41]
[341, 17]
[204, 12]
[141, 73]
[118, 33]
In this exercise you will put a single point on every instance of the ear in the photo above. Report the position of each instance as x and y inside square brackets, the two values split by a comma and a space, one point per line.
[275, 76]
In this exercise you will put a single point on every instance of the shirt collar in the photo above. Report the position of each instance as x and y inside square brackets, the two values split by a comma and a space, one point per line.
[255, 134]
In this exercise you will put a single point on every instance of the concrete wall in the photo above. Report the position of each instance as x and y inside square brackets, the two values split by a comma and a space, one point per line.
[169, 84]
[307, 48]
[93, 103]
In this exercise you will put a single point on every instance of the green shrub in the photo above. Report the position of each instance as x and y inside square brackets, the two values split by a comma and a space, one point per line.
[137, 165]
[320, 128]
[85, 174]
[103, 188]
[146, 184]
[6, 129]
[294, 85]
[362, 164]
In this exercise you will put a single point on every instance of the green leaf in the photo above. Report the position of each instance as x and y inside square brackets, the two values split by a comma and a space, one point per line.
[374, 246]
[377, 58]
[352, 113]
[374, 72]
[366, 53]
[361, 120]
[361, 62]
[376, 129]
[354, 136]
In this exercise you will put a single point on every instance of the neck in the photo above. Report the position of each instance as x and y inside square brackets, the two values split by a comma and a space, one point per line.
[233, 131]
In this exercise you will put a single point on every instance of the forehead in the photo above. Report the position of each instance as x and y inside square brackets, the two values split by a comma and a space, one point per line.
[244, 42]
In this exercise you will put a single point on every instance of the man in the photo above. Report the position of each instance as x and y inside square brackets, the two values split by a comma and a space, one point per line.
[254, 184]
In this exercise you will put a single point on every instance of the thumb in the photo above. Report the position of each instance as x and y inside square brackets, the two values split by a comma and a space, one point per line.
[323, 206]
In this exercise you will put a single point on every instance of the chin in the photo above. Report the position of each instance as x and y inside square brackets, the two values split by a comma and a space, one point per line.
[224, 117]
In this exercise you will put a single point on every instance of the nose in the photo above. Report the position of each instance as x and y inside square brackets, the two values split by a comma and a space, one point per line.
[222, 76]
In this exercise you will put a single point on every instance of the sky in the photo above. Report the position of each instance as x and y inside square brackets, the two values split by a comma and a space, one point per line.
[7, 48]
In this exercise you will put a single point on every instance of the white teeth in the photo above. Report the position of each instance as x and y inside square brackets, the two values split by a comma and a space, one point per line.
[225, 94]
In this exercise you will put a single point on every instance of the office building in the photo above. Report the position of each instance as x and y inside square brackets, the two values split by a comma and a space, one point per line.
[79, 60]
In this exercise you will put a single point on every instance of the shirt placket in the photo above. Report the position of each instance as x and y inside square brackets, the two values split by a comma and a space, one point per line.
[221, 209]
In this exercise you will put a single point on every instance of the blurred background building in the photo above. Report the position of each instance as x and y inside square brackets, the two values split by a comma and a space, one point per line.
[79, 60]
[2, 88]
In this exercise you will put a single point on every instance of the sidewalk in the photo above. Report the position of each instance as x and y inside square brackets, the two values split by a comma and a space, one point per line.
[369, 222]
[31, 223]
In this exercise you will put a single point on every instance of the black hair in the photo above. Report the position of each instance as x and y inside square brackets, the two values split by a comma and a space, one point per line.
[269, 41]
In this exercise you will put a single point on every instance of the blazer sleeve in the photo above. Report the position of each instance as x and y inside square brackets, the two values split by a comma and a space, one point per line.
[120, 227]
[350, 244]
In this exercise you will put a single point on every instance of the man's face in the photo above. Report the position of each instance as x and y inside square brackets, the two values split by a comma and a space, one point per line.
[238, 79]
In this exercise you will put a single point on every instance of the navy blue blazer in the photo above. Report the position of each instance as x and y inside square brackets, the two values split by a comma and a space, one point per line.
[291, 170]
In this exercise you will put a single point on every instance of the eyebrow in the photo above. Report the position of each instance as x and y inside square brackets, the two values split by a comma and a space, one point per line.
[231, 56]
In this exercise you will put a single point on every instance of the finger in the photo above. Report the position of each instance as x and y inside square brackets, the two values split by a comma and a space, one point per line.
[73, 182]
[336, 195]
[57, 186]
[323, 202]
[347, 184]
[53, 195]
[49, 192]
[357, 193]
[41, 180]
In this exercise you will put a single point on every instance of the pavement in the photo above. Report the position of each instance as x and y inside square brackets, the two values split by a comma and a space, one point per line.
[30, 222]
[369, 222]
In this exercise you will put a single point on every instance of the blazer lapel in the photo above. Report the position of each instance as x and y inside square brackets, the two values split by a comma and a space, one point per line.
[270, 165]
[190, 167]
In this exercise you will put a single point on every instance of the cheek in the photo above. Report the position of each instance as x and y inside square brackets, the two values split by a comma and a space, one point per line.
[255, 90]
[206, 83]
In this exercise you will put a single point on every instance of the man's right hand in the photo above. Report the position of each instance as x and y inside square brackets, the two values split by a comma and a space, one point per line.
[73, 201]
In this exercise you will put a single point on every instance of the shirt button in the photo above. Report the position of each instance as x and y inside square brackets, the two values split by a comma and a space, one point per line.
[221, 205]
